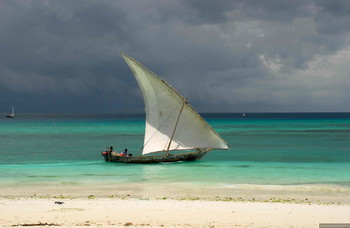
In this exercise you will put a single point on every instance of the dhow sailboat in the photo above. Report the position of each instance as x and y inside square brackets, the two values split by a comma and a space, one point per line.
[174, 130]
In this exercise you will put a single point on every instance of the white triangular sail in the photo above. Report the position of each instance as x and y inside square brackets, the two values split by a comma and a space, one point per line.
[12, 114]
[169, 116]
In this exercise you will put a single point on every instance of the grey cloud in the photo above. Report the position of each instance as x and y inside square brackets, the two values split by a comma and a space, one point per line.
[333, 17]
[223, 10]
[337, 8]
[207, 11]
[222, 55]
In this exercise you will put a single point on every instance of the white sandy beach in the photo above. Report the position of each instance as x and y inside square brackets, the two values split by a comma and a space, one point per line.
[106, 212]
[138, 206]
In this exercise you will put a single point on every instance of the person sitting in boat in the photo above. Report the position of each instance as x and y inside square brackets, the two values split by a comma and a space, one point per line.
[125, 153]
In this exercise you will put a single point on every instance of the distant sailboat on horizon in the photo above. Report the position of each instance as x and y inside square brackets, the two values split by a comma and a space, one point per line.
[12, 114]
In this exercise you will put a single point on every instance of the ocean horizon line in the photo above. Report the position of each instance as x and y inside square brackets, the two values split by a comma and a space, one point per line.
[142, 113]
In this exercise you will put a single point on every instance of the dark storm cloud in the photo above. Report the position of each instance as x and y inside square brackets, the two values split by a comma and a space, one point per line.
[333, 17]
[223, 55]
[207, 11]
[218, 11]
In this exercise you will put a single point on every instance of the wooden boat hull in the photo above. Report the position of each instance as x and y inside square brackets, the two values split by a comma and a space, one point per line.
[190, 156]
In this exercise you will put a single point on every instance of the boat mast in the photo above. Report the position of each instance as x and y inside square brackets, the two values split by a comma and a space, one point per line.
[177, 121]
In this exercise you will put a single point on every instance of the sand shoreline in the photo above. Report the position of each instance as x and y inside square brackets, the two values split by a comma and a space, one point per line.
[116, 212]
[314, 194]
[172, 205]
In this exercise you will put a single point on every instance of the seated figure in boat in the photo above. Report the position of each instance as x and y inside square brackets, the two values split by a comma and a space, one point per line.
[125, 153]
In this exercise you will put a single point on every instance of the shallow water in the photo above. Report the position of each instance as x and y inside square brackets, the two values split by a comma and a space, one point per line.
[265, 149]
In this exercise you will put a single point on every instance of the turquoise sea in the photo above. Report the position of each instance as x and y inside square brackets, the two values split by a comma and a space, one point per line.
[265, 149]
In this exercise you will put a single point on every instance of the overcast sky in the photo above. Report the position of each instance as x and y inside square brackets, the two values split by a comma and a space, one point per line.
[222, 55]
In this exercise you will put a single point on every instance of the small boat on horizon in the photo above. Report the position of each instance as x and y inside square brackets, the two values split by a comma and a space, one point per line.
[174, 130]
[12, 114]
